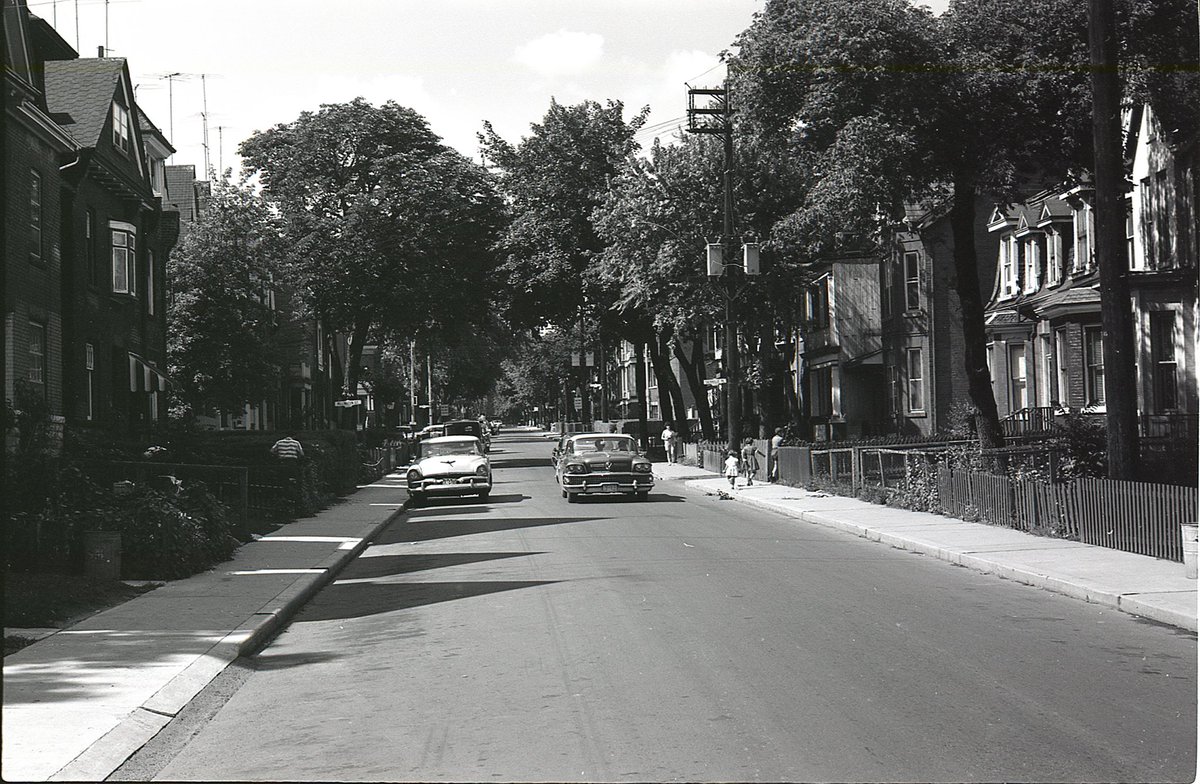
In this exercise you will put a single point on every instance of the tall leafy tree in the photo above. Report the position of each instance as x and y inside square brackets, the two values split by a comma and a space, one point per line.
[222, 349]
[554, 179]
[388, 229]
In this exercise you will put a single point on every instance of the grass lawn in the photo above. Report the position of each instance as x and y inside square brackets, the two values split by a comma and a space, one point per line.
[37, 600]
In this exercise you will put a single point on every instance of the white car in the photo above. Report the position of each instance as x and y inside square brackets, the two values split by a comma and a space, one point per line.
[449, 465]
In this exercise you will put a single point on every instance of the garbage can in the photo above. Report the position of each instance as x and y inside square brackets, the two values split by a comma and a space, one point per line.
[102, 554]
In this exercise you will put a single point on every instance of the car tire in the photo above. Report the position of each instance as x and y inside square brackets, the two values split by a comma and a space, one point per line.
[570, 497]
[415, 499]
[483, 494]
[564, 493]
[642, 495]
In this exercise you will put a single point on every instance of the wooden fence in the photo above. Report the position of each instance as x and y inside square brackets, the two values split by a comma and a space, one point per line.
[1135, 517]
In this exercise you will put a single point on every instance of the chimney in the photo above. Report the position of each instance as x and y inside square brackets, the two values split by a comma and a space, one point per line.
[99, 51]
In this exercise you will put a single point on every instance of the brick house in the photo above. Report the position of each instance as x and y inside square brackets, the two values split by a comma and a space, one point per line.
[923, 364]
[84, 306]
[35, 146]
[1046, 346]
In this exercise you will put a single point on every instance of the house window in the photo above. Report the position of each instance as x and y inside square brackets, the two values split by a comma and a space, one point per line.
[1053, 257]
[888, 264]
[1062, 390]
[124, 255]
[1163, 365]
[89, 246]
[1008, 267]
[1162, 221]
[818, 304]
[1083, 240]
[821, 384]
[916, 382]
[893, 401]
[912, 281]
[1129, 255]
[1018, 378]
[35, 215]
[89, 364]
[1093, 358]
[1033, 265]
[1047, 393]
[120, 123]
[150, 282]
[37, 354]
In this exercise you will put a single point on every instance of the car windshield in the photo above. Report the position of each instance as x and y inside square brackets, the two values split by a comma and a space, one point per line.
[582, 446]
[450, 448]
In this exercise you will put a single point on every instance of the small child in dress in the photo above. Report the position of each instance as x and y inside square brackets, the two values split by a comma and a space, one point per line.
[732, 468]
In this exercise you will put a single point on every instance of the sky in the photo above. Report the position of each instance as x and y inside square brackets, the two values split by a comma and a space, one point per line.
[258, 63]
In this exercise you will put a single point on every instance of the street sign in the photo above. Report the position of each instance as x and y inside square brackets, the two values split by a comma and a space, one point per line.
[346, 403]
[714, 382]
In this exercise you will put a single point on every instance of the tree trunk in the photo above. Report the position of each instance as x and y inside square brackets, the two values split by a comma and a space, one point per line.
[1120, 382]
[639, 373]
[358, 339]
[662, 369]
[693, 370]
[966, 273]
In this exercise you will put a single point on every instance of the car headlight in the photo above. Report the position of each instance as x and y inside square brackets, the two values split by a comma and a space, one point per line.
[414, 475]
[576, 468]
[641, 468]
[481, 471]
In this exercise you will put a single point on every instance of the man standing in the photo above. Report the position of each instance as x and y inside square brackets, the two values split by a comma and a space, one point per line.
[668, 439]
[776, 442]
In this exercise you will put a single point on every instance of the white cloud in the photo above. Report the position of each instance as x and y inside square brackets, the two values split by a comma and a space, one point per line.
[561, 53]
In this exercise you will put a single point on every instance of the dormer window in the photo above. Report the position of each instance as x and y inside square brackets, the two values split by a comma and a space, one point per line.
[1054, 257]
[1083, 239]
[120, 123]
[1008, 267]
[1033, 264]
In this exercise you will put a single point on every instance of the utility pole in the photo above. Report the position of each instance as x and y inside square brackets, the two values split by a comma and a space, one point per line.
[412, 380]
[717, 118]
[204, 119]
[1120, 397]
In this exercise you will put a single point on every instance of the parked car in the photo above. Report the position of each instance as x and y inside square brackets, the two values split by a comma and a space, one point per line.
[431, 431]
[469, 427]
[449, 465]
[589, 463]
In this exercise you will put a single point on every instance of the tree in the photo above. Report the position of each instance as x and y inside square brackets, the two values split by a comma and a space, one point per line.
[221, 348]
[890, 104]
[388, 229]
[554, 180]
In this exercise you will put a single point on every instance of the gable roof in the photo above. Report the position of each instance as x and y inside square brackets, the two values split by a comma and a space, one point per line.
[83, 89]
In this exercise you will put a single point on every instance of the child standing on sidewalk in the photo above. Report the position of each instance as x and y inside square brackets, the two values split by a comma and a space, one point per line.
[732, 469]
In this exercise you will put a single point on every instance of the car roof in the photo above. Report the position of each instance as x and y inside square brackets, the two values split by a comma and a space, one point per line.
[599, 435]
[451, 440]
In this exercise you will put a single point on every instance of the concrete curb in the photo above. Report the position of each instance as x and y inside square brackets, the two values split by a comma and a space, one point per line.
[103, 757]
[1128, 603]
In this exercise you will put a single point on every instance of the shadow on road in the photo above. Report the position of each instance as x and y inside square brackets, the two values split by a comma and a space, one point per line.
[656, 498]
[423, 530]
[369, 566]
[357, 600]
[282, 661]
[523, 462]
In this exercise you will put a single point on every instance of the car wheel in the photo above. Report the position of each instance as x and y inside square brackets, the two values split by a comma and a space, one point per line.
[415, 499]
[642, 495]
[483, 494]
[564, 493]
[570, 497]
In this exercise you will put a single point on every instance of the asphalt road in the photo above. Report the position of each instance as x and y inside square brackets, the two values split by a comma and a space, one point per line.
[685, 637]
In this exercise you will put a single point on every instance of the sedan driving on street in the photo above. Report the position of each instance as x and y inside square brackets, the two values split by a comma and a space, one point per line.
[450, 465]
[589, 463]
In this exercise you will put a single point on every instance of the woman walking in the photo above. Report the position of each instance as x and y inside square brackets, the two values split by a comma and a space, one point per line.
[750, 453]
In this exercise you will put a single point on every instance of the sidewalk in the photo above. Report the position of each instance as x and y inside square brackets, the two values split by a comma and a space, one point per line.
[79, 702]
[1137, 584]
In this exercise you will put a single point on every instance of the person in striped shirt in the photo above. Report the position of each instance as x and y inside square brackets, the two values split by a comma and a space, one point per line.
[287, 448]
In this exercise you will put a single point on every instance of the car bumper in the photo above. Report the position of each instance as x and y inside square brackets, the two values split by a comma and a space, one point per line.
[587, 485]
[464, 486]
